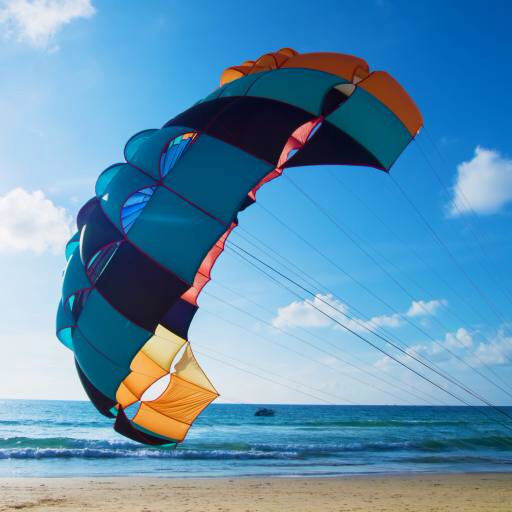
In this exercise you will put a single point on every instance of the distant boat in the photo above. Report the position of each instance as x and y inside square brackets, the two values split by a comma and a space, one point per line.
[264, 412]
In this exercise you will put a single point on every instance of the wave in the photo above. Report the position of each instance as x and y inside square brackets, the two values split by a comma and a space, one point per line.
[62, 442]
[64, 447]
[292, 424]
[273, 422]
[384, 423]
[100, 423]
[91, 453]
[464, 443]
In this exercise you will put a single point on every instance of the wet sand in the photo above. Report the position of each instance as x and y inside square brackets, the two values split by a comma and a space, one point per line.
[414, 493]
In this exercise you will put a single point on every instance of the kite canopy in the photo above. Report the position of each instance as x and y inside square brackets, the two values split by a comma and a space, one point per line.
[147, 242]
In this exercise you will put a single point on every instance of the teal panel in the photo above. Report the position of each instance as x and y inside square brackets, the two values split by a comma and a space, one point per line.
[64, 318]
[174, 233]
[239, 87]
[65, 336]
[72, 245]
[135, 141]
[216, 176]
[371, 124]
[304, 88]
[122, 186]
[147, 156]
[104, 374]
[213, 95]
[235, 88]
[74, 276]
[106, 177]
[109, 331]
[64, 321]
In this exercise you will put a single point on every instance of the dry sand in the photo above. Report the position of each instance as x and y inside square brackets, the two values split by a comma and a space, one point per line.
[415, 493]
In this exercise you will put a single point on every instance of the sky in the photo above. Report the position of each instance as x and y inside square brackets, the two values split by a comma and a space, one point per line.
[79, 77]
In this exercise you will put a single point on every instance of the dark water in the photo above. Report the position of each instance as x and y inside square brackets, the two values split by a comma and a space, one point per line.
[57, 438]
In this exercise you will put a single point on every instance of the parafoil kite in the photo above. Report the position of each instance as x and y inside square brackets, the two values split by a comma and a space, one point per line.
[147, 241]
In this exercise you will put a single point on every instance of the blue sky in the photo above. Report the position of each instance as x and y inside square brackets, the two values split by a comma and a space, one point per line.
[79, 77]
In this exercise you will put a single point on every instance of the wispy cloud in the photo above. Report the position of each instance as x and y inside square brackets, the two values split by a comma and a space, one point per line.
[37, 21]
[448, 141]
[484, 184]
[458, 339]
[306, 314]
[385, 362]
[425, 308]
[31, 222]
[497, 352]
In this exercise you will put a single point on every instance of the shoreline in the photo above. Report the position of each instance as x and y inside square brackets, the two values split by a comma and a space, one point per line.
[464, 492]
[342, 476]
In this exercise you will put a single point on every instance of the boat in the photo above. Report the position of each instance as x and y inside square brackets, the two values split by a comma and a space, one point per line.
[264, 412]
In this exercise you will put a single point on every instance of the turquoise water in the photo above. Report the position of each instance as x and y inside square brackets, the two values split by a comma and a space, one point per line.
[58, 438]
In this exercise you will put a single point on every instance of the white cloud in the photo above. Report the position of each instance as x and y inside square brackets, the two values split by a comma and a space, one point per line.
[496, 352]
[383, 363]
[415, 351]
[485, 182]
[31, 222]
[425, 308]
[460, 338]
[382, 321]
[360, 325]
[303, 314]
[37, 21]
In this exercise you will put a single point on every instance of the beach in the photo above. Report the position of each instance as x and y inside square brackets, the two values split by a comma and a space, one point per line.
[63, 456]
[449, 492]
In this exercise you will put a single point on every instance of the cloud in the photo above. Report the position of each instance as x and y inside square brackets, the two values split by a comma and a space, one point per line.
[457, 341]
[496, 352]
[379, 321]
[31, 222]
[485, 182]
[304, 314]
[425, 308]
[37, 21]
[460, 338]
[415, 351]
[383, 363]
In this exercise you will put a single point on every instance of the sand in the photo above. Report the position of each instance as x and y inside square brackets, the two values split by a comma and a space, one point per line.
[415, 493]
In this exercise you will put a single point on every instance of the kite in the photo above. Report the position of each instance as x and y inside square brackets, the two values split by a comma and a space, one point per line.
[147, 241]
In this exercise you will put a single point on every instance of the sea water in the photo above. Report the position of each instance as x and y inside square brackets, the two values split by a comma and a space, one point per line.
[65, 438]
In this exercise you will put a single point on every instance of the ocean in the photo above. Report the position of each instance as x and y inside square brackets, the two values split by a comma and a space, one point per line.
[65, 438]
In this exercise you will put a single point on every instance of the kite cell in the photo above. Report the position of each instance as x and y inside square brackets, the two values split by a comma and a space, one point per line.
[147, 241]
